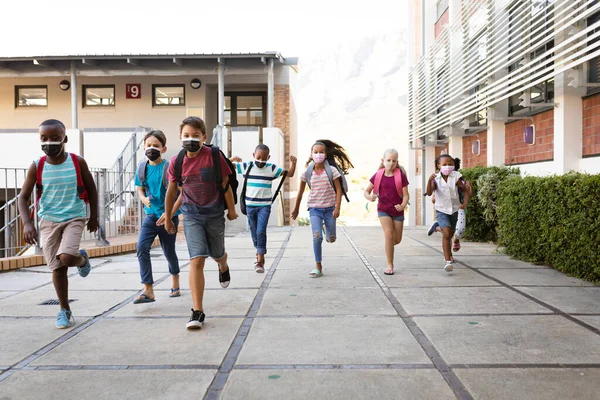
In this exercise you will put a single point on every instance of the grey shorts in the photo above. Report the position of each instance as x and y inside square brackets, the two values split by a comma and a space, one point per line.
[204, 237]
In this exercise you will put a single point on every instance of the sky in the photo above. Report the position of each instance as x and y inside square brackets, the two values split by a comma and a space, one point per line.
[182, 26]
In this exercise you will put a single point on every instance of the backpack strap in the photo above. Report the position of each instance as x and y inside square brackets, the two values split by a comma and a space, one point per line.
[283, 175]
[141, 171]
[250, 164]
[179, 167]
[329, 173]
[378, 178]
[38, 183]
[83, 195]
[398, 181]
[165, 175]
[217, 168]
[309, 171]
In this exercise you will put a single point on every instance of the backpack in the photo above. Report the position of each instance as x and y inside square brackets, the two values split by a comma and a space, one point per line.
[329, 172]
[39, 188]
[216, 152]
[141, 172]
[243, 198]
[397, 180]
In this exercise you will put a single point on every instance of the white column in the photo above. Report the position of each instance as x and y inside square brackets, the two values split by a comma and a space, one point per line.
[496, 142]
[568, 125]
[414, 181]
[455, 146]
[271, 95]
[74, 108]
[222, 134]
[428, 169]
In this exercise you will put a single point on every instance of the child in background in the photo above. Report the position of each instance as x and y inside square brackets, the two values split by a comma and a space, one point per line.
[447, 203]
[390, 185]
[325, 196]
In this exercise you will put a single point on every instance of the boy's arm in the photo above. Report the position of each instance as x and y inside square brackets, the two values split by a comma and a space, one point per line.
[338, 198]
[292, 169]
[90, 187]
[142, 193]
[169, 202]
[29, 232]
[298, 199]
[229, 202]
[178, 202]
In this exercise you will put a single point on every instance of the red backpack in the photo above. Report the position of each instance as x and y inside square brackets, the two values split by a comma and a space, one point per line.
[397, 180]
[83, 194]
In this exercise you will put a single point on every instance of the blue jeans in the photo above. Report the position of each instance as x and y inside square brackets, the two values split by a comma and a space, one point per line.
[148, 233]
[318, 216]
[258, 218]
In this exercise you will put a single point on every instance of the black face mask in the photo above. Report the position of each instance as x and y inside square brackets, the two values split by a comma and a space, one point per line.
[52, 149]
[191, 145]
[153, 154]
[260, 164]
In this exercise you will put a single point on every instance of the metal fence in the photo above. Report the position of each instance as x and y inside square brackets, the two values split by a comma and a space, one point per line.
[120, 211]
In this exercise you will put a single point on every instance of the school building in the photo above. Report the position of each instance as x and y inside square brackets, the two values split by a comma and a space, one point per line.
[245, 99]
[503, 82]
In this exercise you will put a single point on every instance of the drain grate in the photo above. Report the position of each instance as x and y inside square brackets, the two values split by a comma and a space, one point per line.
[53, 302]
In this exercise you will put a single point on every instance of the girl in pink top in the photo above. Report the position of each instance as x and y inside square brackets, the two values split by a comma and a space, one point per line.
[323, 176]
[390, 186]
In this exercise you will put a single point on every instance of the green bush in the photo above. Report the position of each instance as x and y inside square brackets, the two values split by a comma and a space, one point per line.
[552, 221]
[479, 228]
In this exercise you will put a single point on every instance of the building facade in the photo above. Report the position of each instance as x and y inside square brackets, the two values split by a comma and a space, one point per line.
[503, 82]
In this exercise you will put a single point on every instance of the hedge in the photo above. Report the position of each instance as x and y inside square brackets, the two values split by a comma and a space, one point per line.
[478, 228]
[553, 221]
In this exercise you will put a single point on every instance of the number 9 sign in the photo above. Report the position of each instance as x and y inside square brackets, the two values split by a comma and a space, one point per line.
[133, 91]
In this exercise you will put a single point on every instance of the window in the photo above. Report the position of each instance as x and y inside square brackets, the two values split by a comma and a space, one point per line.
[479, 119]
[99, 96]
[168, 95]
[245, 109]
[31, 96]
[593, 65]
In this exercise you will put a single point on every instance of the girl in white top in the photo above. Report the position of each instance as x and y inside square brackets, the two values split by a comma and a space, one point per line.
[447, 203]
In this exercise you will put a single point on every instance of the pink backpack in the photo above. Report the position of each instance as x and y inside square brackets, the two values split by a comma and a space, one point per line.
[397, 180]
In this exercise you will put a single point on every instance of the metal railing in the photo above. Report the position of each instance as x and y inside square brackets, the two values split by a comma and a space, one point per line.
[120, 211]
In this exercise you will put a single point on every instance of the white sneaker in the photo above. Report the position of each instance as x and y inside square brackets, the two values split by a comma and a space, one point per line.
[448, 267]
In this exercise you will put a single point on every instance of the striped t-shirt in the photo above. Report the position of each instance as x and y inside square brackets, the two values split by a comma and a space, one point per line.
[322, 194]
[60, 201]
[258, 188]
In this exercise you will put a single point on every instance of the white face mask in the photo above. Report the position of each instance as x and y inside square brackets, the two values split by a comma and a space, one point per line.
[389, 164]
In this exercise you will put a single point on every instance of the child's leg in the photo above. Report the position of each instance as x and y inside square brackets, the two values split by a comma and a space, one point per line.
[461, 225]
[148, 233]
[316, 222]
[197, 282]
[68, 251]
[252, 214]
[388, 233]
[447, 233]
[167, 242]
[61, 286]
[261, 232]
[195, 236]
[398, 230]
[330, 227]
[215, 240]
[51, 236]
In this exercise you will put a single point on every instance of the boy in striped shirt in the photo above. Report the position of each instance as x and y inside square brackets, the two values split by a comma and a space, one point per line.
[259, 196]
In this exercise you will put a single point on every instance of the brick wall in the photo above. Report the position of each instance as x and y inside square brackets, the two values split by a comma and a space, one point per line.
[442, 23]
[419, 205]
[282, 121]
[591, 126]
[472, 160]
[518, 152]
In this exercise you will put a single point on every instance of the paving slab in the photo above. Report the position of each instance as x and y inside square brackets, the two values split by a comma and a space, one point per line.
[86, 304]
[7, 294]
[110, 385]
[329, 250]
[240, 264]
[511, 339]
[327, 341]
[146, 342]
[22, 337]
[465, 300]
[494, 261]
[239, 279]
[337, 384]
[216, 303]
[568, 299]
[532, 384]
[538, 276]
[94, 282]
[21, 280]
[159, 266]
[94, 262]
[401, 251]
[434, 277]
[332, 278]
[325, 302]
[403, 261]
[592, 320]
[348, 262]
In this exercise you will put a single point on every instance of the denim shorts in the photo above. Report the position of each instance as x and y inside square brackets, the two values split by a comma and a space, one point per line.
[205, 237]
[399, 218]
[446, 220]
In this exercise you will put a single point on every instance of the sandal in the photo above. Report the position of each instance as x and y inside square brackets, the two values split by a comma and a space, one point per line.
[389, 271]
[224, 278]
[175, 292]
[259, 267]
[315, 273]
[143, 298]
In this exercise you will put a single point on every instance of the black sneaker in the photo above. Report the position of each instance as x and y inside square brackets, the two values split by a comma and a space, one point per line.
[224, 278]
[196, 320]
